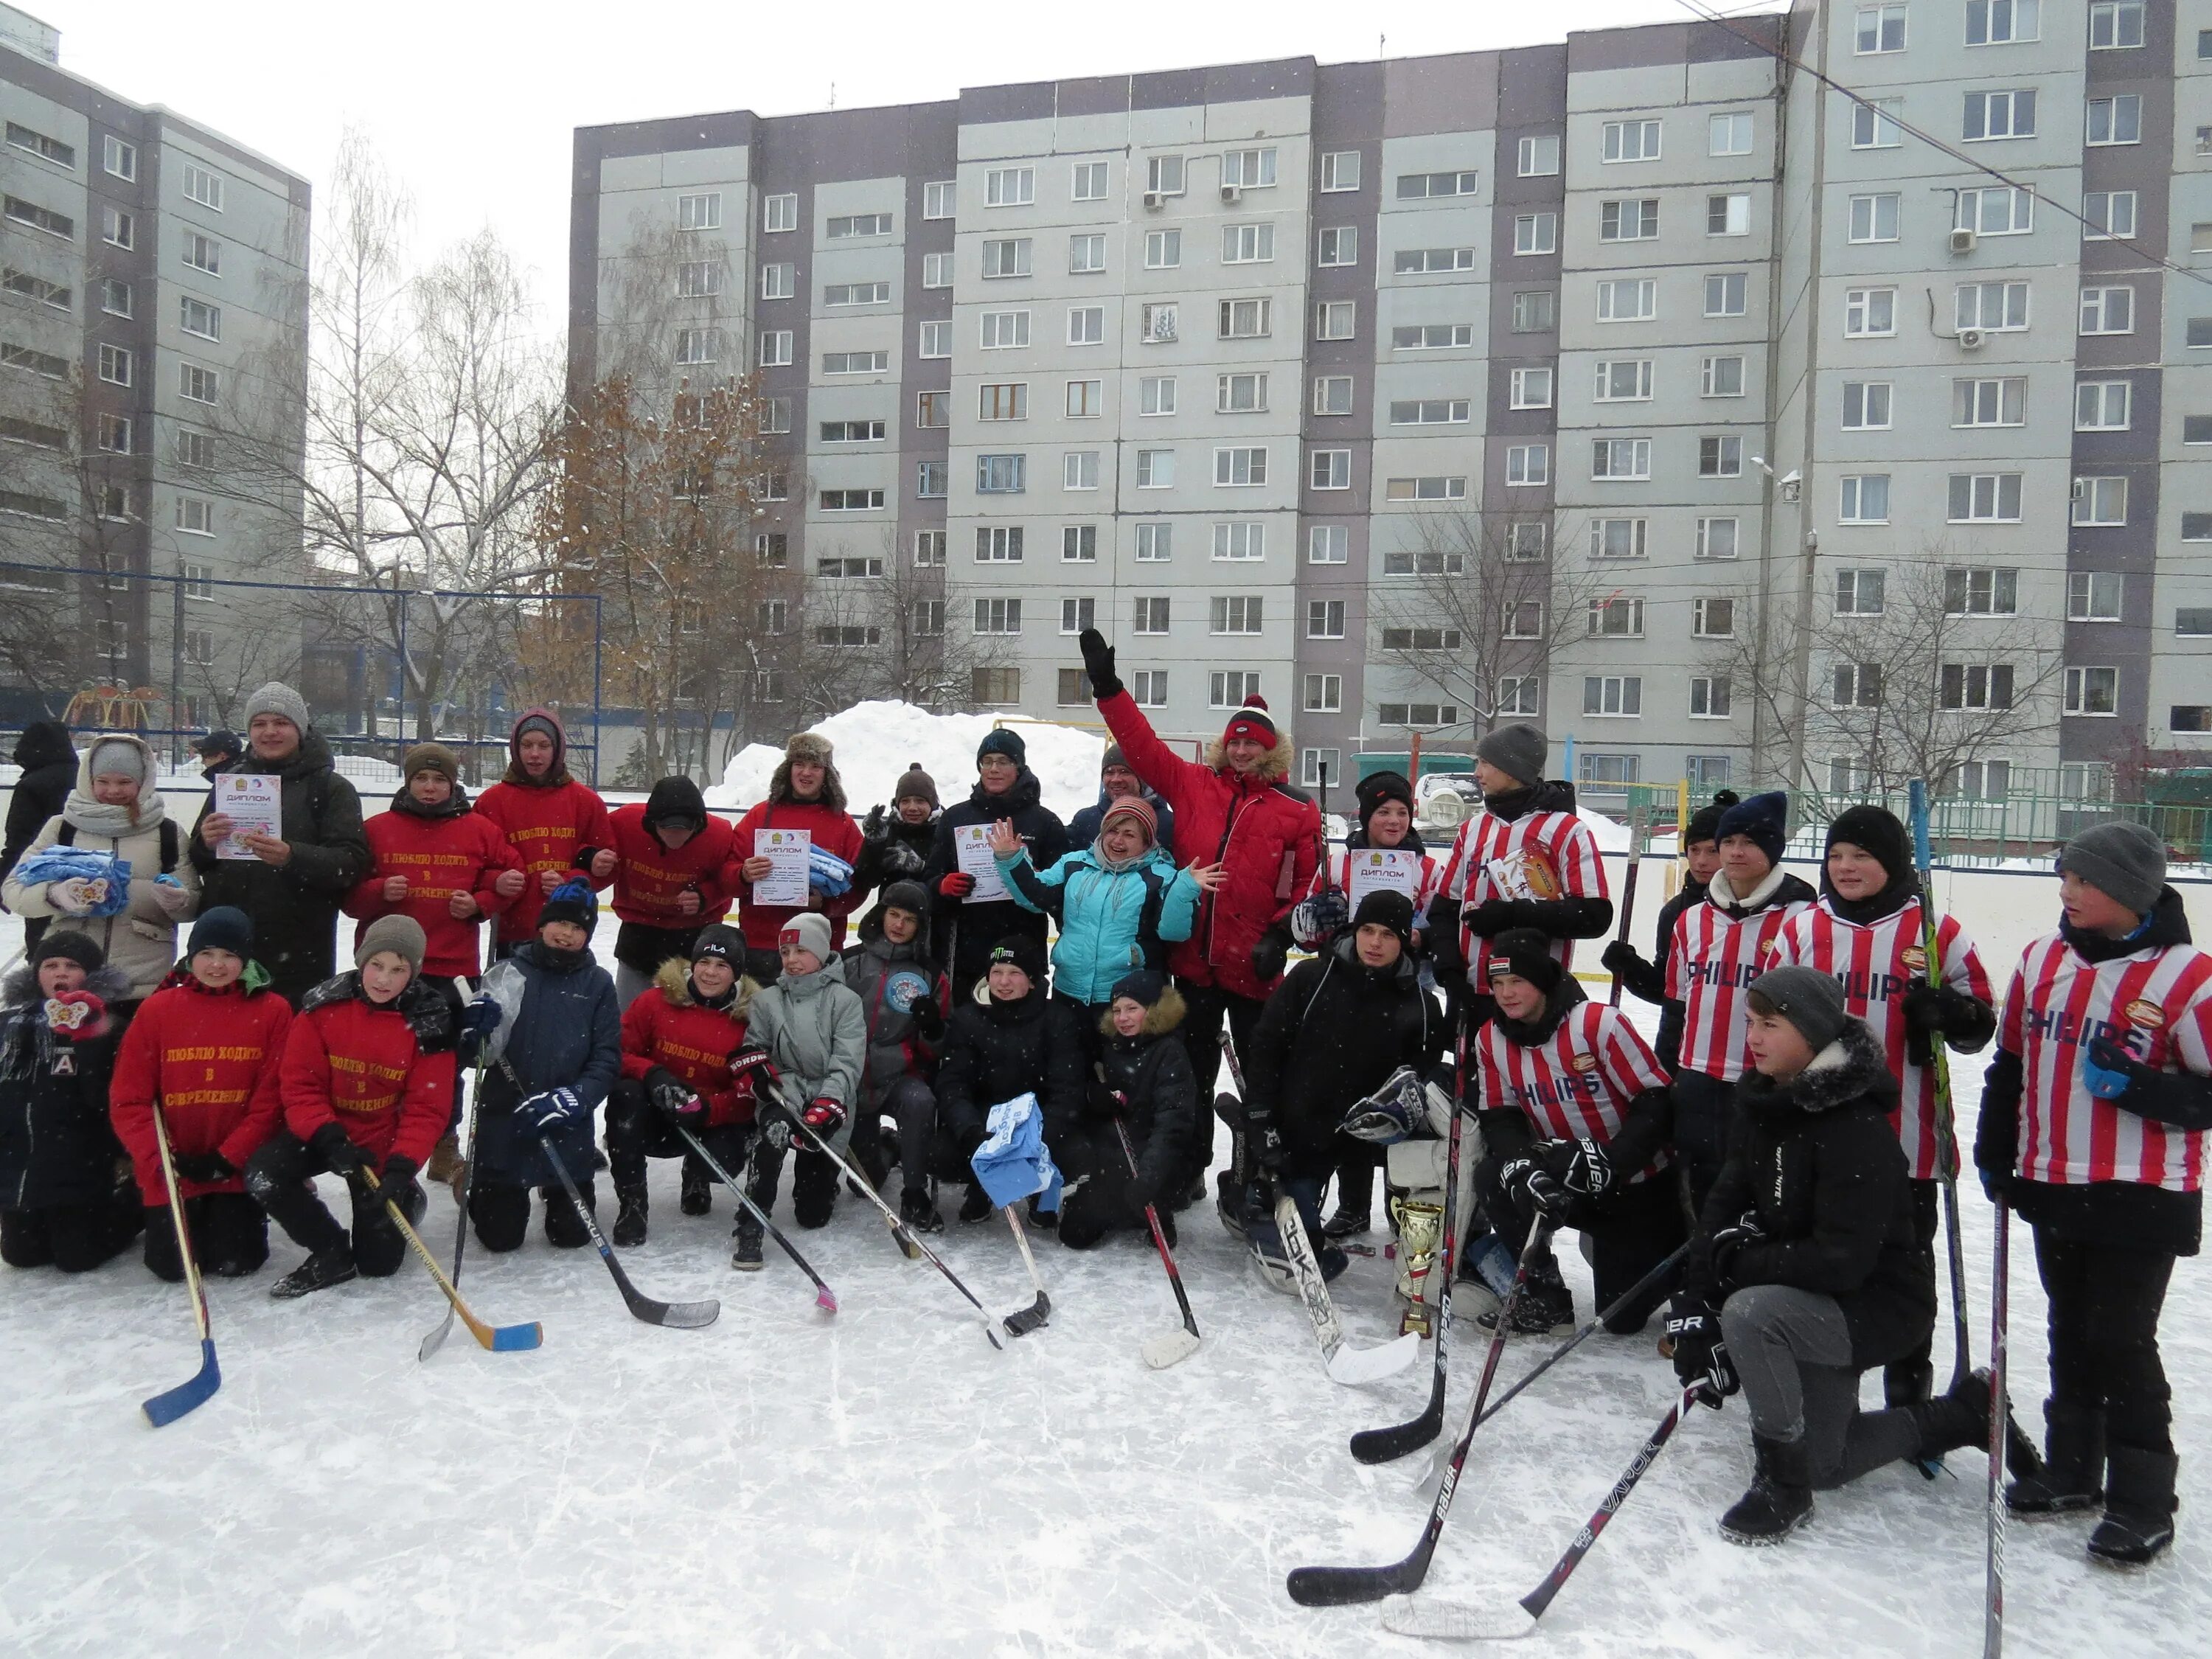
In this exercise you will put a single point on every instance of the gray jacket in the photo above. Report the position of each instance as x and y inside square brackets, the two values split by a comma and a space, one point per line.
[815, 1032]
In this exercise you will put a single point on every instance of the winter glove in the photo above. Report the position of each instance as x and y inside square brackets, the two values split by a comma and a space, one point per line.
[1932, 1008]
[205, 1168]
[551, 1108]
[170, 895]
[478, 1021]
[1269, 955]
[1098, 663]
[1103, 1101]
[1530, 1189]
[1725, 1244]
[956, 884]
[1996, 1185]
[1700, 1355]
[824, 1117]
[2109, 1070]
[1442, 936]
[928, 1018]
[1141, 1191]
[751, 1071]
[671, 1097]
[1317, 920]
[75, 897]
[1582, 1166]
[1492, 916]
[77, 1017]
[1624, 961]
[1267, 1146]
[776, 1124]
[339, 1152]
[396, 1181]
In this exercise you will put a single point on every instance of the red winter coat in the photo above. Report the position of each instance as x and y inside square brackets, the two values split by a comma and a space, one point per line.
[556, 829]
[667, 1027]
[460, 852]
[833, 830]
[649, 878]
[210, 1059]
[1267, 833]
[349, 1062]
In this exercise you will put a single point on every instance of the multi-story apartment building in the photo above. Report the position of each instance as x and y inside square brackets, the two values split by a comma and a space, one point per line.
[152, 281]
[1698, 390]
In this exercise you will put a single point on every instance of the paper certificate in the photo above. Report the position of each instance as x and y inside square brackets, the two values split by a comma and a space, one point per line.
[254, 804]
[1385, 870]
[972, 843]
[786, 851]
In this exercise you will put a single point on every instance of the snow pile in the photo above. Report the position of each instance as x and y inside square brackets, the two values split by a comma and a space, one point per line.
[1611, 835]
[876, 741]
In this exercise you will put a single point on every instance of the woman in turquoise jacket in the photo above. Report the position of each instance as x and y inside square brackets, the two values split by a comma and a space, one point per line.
[1119, 902]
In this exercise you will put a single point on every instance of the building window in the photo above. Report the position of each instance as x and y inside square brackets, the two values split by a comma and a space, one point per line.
[1327, 543]
[1324, 695]
[1325, 619]
[929, 548]
[1631, 141]
[1086, 399]
[1534, 311]
[1340, 170]
[2094, 691]
[1336, 244]
[1538, 156]
[1429, 411]
[1075, 616]
[2114, 25]
[113, 434]
[1239, 394]
[117, 366]
[1860, 593]
[1149, 687]
[932, 480]
[1245, 539]
[1333, 320]
[1879, 28]
[698, 279]
[1244, 245]
[2193, 621]
[2009, 114]
[1618, 538]
[1620, 458]
[1874, 218]
[205, 253]
[1984, 498]
[2105, 407]
[858, 569]
[1619, 696]
[1087, 182]
[1531, 388]
[2109, 215]
[1231, 688]
[855, 362]
[697, 345]
[851, 500]
[1005, 330]
[1332, 394]
[1632, 220]
[1998, 22]
[196, 517]
[773, 548]
[1729, 134]
[1709, 697]
[1329, 469]
[1420, 639]
[1536, 233]
[933, 409]
[1519, 694]
[1713, 619]
[1614, 618]
[1010, 187]
[1432, 489]
[1869, 312]
[1426, 561]
[1150, 615]
[1522, 619]
[1856, 686]
[775, 348]
[1528, 464]
[1086, 254]
[2100, 502]
[1623, 380]
[1248, 169]
[2093, 596]
[1418, 187]
[1243, 319]
[1627, 300]
[1001, 474]
[2112, 311]
[699, 212]
[938, 196]
[1875, 124]
[1981, 591]
[994, 616]
[779, 282]
[1007, 257]
[1079, 469]
[1718, 539]
[203, 186]
[1989, 403]
[1728, 214]
[856, 293]
[196, 450]
[1721, 377]
[1163, 175]
[999, 544]
[1155, 469]
[120, 228]
[994, 685]
[20, 212]
[1240, 467]
[1235, 613]
[116, 158]
[1974, 685]
[1726, 293]
[2116, 120]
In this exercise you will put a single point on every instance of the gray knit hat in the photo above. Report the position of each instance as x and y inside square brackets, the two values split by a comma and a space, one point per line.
[401, 935]
[2125, 860]
[1517, 750]
[810, 931]
[278, 698]
[1809, 999]
[117, 757]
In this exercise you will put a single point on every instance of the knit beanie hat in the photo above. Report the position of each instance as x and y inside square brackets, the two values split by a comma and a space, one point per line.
[1875, 831]
[2124, 860]
[1025, 953]
[810, 931]
[1112, 758]
[1144, 986]
[910, 897]
[1137, 807]
[1760, 818]
[431, 757]
[1376, 787]
[572, 900]
[1003, 740]
[112, 757]
[70, 947]
[226, 927]
[1525, 953]
[1516, 750]
[915, 782]
[1393, 910]
[1706, 822]
[278, 698]
[401, 935]
[1252, 721]
[1809, 999]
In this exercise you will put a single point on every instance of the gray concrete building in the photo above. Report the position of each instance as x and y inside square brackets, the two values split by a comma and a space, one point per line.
[1739, 424]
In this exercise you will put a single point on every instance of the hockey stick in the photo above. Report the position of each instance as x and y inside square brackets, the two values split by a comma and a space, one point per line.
[1023, 1321]
[1381, 1445]
[685, 1315]
[1165, 1350]
[1947, 1151]
[1628, 889]
[2000, 1423]
[1336, 1586]
[499, 1339]
[824, 1298]
[436, 1339]
[1445, 1618]
[171, 1404]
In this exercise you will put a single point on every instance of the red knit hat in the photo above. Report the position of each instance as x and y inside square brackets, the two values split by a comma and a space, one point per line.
[1137, 807]
[1252, 721]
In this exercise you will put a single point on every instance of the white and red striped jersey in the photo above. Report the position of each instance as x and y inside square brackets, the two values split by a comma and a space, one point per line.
[1337, 871]
[1714, 960]
[2156, 1003]
[1538, 855]
[1577, 1082]
[1877, 962]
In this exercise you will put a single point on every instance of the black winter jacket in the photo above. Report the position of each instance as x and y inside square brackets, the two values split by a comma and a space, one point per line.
[892, 849]
[1816, 1159]
[49, 763]
[994, 1051]
[1151, 1073]
[56, 1146]
[966, 933]
[1333, 1032]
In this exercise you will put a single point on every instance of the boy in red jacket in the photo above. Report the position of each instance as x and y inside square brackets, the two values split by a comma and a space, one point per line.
[366, 1083]
[805, 793]
[676, 1041]
[204, 1049]
[669, 855]
[558, 826]
[437, 861]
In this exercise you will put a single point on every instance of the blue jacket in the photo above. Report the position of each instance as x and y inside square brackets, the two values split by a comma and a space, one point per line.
[1083, 828]
[567, 1035]
[1101, 913]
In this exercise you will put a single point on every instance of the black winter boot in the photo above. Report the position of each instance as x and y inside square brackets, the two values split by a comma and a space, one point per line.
[318, 1273]
[2139, 1504]
[919, 1211]
[630, 1212]
[1346, 1223]
[2072, 1477]
[696, 1197]
[745, 1242]
[1781, 1495]
[1961, 1418]
[564, 1228]
[977, 1204]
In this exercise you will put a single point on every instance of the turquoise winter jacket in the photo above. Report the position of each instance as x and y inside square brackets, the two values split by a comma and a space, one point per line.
[1100, 912]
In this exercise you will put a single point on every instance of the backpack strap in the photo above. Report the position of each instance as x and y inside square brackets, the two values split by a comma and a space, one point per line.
[169, 845]
[66, 836]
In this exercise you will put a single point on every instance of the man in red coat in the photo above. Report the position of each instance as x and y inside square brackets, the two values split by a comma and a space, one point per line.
[671, 856]
[558, 826]
[203, 1051]
[1238, 809]
[438, 860]
[805, 793]
[367, 1082]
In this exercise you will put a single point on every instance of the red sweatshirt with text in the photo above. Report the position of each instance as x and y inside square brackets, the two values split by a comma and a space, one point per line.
[669, 1027]
[650, 878]
[210, 1059]
[349, 1062]
[549, 830]
[439, 856]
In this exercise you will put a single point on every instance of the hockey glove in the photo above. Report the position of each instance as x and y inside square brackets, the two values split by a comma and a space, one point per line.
[1530, 1189]
[1269, 955]
[549, 1110]
[339, 1153]
[2109, 1070]
[1267, 1147]
[1582, 1166]
[478, 1021]
[2180, 1099]
[751, 1071]
[396, 1181]
[956, 884]
[1624, 960]
[1098, 664]
[205, 1168]
[824, 1117]
[671, 1097]
[1494, 917]
[1700, 1355]
[1317, 920]
[1728, 1241]
[1996, 1185]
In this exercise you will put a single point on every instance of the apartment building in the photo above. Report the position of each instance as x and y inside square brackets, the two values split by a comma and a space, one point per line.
[152, 282]
[1636, 384]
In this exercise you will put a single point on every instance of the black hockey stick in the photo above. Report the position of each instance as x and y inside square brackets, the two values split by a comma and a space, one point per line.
[824, 1298]
[1023, 1321]
[1165, 1350]
[685, 1315]
[1336, 1586]
[1628, 890]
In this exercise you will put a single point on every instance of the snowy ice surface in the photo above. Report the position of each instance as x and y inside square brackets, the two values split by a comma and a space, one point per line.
[882, 1483]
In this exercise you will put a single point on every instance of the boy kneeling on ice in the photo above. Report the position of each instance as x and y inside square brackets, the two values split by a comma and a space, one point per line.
[1142, 1085]
[367, 1085]
[1019, 1042]
[902, 992]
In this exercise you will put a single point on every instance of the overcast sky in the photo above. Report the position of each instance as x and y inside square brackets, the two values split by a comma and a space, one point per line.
[473, 102]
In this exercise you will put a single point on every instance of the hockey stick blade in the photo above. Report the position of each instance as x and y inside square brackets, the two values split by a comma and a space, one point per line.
[824, 1298]
[505, 1339]
[680, 1315]
[171, 1404]
[1387, 1445]
[1454, 1622]
[1355, 1367]
[1345, 1365]
[1169, 1348]
[1023, 1321]
[199, 1389]
[1345, 1587]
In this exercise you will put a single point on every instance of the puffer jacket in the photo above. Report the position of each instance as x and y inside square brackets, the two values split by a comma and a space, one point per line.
[994, 1051]
[814, 1031]
[568, 1033]
[887, 978]
[1105, 931]
[57, 1146]
[140, 938]
[1266, 830]
[892, 849]
[1151, 1073]
[49, 763]
[1816, 1160]
[668, 1028]
[965, 932]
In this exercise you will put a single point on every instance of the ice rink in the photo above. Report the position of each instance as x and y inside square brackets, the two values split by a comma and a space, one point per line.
[883, 1483]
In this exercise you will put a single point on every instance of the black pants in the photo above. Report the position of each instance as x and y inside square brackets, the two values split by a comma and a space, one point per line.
[1356, 1160]
[2105, 1303]
[1703, 1104]
[230, 1234]
[1205, 1006]
[927, 1149]
[501, 1215]
[282, 1177]
[74, 1238]
[636, 1130]
[1630, 1232]
[1914, 1376]
[813, 1181]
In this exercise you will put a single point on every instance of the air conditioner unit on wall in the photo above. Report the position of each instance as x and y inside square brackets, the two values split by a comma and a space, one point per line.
[1970, 339]
[1964, 241]
[1232, 192]
[1154, 201]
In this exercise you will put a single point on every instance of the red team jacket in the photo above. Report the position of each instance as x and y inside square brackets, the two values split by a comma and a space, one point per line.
[549, 829]
[210, 1059]
[1578, 1081]
[665, 1027]
[649, 879]
[833, 830]
[358, 1065]
[1541, 855]
[440, 857]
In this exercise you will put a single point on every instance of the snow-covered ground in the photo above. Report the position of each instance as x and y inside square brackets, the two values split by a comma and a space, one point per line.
[883, 1483]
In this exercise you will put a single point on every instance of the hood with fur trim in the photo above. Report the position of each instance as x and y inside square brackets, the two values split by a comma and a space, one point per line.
[1851, 1070]
[673, 981]
[1161, 1019]
[107, 983]
[1274, 768]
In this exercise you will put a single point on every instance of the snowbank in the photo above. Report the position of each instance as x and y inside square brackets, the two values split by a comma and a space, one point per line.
[876, 741]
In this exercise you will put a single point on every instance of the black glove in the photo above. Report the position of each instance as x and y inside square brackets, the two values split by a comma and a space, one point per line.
[1105, 1101]
[668, 1093]
[396, 1180]
[1441, 935]
[1267, 1146]
[1141, 1191]
[1700, 1355]
[1524, 1182]
[1623, 959]
[1940, 1010]
[1269, 955]
[339, 1153]
[928, 1018]
[1098, 663]
[1582, 1166]
[205, 1168]
[1726, 1243]
[1492, 916]
[871, 827]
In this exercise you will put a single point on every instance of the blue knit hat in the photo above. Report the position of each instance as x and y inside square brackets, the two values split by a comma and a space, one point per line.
[572, 900]
[226, 927]
[1003, 740]
[1762, 819]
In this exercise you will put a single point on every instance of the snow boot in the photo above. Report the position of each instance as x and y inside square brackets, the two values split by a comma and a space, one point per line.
[977, 1204]
[629, 1214]
[1780, 1499]
[1346, 1224]
[564, 1228]
[445, 1165]
[1043, 1220]
[2072, 1477]
[745, 1242]
[919, 1211]
[696, 1196]
[318, 1273]
[2139, 1504]
[1960, 1419]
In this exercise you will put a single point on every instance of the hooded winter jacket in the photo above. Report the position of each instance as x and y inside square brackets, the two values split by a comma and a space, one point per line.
[57, 1146]
[140, 938]
[1111, 922]
[383, 1074]
[1083, 828]
[210, 1061]
[965, 932]
[1268, 832]
[554, 825]
[887, 978]
[814, 1031]
[668, 1028]
[49, 763]
[994, 1051]
[441, 850]
[1151, 1073]
[295, 905]
[831, 829]
[1816, 1161]
[567, 1035]
[650, 877]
